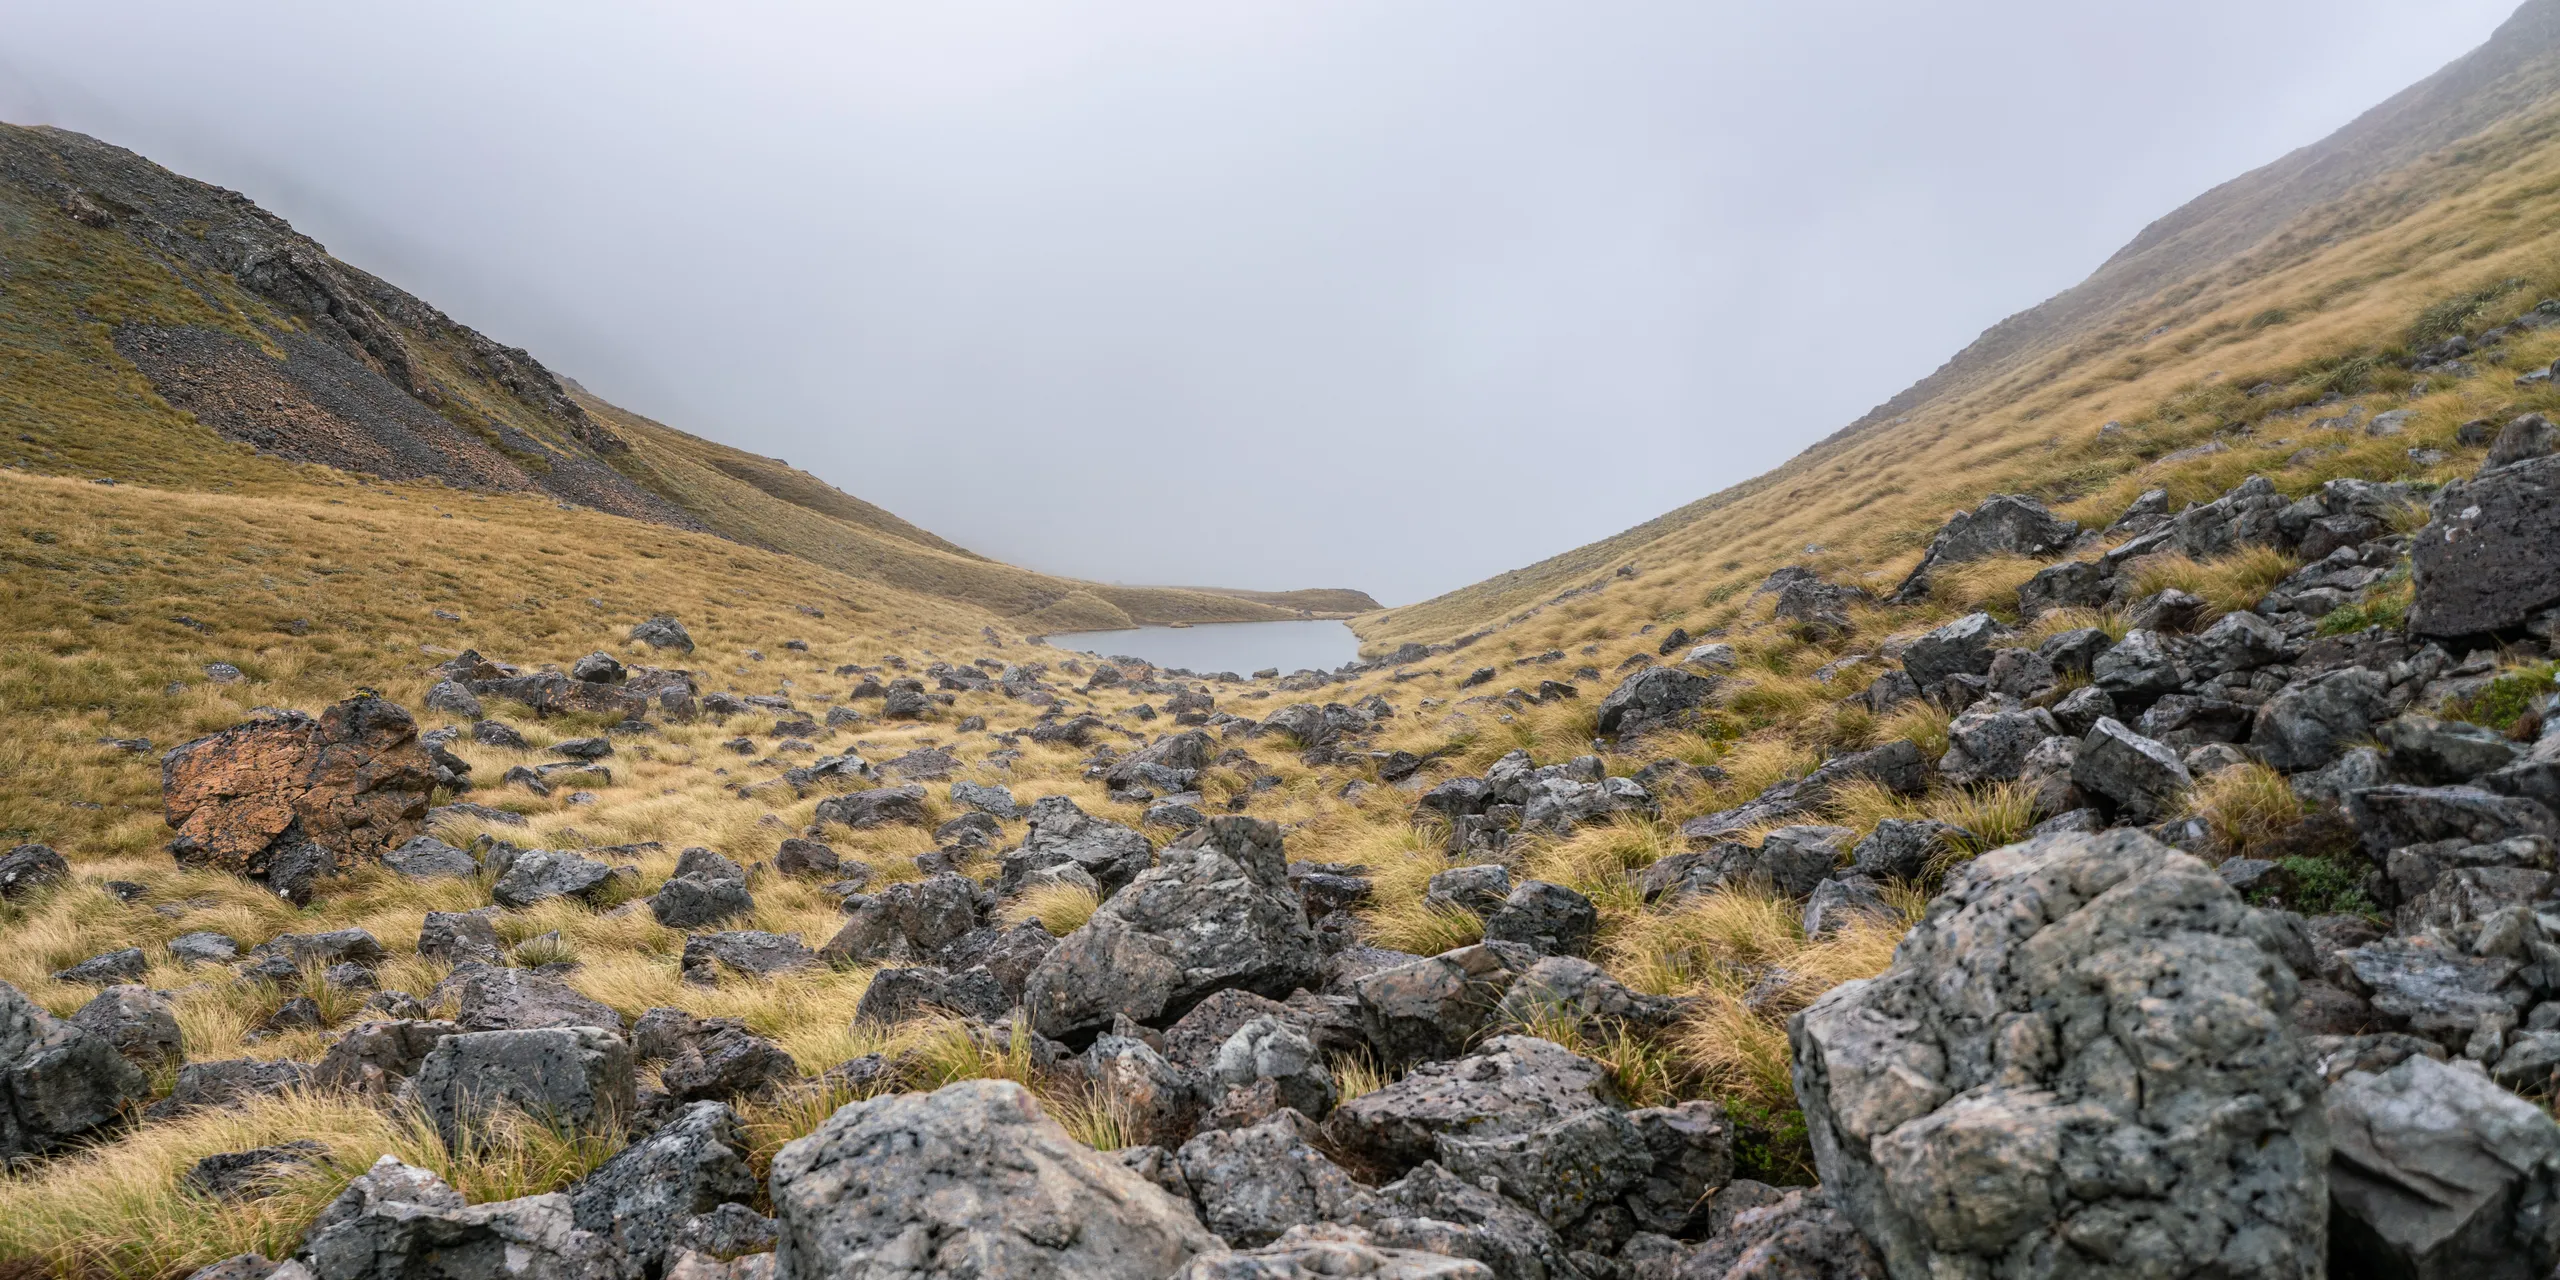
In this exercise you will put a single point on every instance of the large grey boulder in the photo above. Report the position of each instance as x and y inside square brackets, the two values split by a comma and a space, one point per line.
[2312, 722]
[2144, 779]
[1990, 743]
[1437, 1211]
[1434, 1007]
[1062, 835]
[705, 888]
[400, 1222]
[1560, 1170]
[643, 1197]
[1253, 1184]
[57, 1081]
[489, 998]
[2081, 1062]
[2491, 557]
[1324, 1250]
[1548, 919]
[537, 874]
[2392, 817]
[2438, 1174]
[1218, 912]
[1512, 1085]
[572, 1078]
[1652, 698]
[28, 867]
[1803, 1236]
[229, 1082]
[877, 807]
[2005, 524]
[973, 1180]
[373, 1058]
[138, 1021]
[1962, 647]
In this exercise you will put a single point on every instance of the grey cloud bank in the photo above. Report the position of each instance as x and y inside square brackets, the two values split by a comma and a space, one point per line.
[1261, 295]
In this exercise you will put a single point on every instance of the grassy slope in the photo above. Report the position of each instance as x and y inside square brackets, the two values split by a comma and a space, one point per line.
[2345, 274]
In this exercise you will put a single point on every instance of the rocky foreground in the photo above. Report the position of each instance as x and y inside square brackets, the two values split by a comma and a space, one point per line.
[2109, 1049]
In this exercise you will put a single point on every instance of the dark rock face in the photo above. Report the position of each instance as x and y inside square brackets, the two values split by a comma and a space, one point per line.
[878, 807]
[287, 799]
[1512, 1085]
[401, 1221]
[2005, 524]
[1652, 698]
[1218, 912]
[1962, 647]
[57, 1080]
[2436, 1171]
[978, 1171]
[569, 1077]
[30, 867]
[2491, 558]
[495, 999]
[644, 1196]
[2066, 1040]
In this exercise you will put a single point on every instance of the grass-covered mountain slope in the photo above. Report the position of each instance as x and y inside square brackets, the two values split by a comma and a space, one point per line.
[2325, 257]
[160, 331]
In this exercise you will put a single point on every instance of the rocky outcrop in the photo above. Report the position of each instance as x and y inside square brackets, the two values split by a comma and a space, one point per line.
[2438, 1173]
[970, 1179]
[2491, 557]
[2083, 1052]
[58, 1082]
[1217, 913]
[288, 799]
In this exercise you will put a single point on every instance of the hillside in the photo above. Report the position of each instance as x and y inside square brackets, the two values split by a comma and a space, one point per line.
[154, 322]
[2334, 248]
[2099, 821]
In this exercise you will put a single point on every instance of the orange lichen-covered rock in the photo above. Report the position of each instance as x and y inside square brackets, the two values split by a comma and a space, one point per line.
[286, 799]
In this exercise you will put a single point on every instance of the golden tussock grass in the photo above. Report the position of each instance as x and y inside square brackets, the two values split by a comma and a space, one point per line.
[2248, 807]
[2227, 584]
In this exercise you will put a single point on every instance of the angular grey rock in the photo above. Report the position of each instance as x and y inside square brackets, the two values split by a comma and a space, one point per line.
[1433, 1008]
[237, 1175]
[204, 947]
[29, 867]
[400, 1222]
[2137, 669]
[1548, 919]
[2239, 641]
[1217, 912]
[690, 902]
[710, 1059]
[2433, 988]
[1320, 1250]
[803, 857]
[2393, 817]
[1902, 848]
[1561, 1170]
[456, 936]
[1691, 1149]
[2082, 1031]
[752, 952]
[227, 1083]
[488, 998]
[1277, 1050]
[1650, 699]
[1513, 1084]
[1990, 744]
[649, 1190]
[2142, 778]
[107, 969]
[1064, 835]
[877, 807]
[662, 632]
[1434, 1210]
[1837, 903]
[2005, 524]
[2491, 557]
[2437, 1173]
[1564, 989]
[993, 801]
[1480, 888]
[2072, 584]
[895, 995]
[454, 699]
[1962, 647]
[1802, 1236]
[426, 858]
[373, 1058]
[572, 1078]
[57, 1081]
[538, 874]
[2526, 436]
[138, 1021]
[970, 1178]
[1254, 1184]
[2438, 752]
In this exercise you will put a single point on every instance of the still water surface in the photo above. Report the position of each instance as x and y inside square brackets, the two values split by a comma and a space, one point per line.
[1241, 647]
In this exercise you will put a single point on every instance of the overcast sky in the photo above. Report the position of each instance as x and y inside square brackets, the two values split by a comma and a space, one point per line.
[1391, 294]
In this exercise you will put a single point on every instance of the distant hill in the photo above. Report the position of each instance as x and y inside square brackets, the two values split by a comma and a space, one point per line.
[151, 325]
